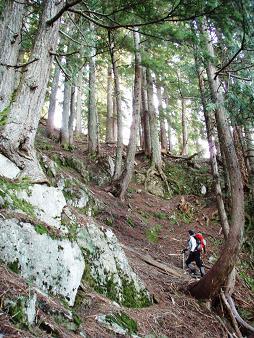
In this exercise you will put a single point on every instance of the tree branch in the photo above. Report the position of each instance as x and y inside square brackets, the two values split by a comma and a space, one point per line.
[60, 13]
[19, 66]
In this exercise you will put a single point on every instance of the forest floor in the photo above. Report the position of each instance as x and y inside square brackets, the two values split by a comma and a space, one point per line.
[152, 231]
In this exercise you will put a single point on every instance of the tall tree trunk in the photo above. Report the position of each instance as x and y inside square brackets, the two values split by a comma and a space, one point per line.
[64, 133]
[130, 159]
[119, 149]
[155, 141]
[10, 38]
[114, 119]
[210, 125]
[211, 284]
[184, 128]
[163, 135]
[145, 116]
[17, 139]
[78, 128]
[166, 99]
[249, 137]
[52, 102]
[93, 141]
[72, 114]
[110, 122]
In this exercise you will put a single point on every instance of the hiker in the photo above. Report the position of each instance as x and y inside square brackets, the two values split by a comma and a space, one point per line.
[194, 254]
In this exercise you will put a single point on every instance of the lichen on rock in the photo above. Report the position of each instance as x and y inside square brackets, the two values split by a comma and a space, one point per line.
[107, 268]
[53, 265]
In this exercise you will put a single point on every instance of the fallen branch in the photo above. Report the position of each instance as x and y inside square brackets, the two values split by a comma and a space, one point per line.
[148, 259]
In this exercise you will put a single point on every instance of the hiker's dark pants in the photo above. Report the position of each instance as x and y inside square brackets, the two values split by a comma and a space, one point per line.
[195, 257]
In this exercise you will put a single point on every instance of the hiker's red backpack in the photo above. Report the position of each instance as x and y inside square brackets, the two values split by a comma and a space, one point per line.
[201, 242]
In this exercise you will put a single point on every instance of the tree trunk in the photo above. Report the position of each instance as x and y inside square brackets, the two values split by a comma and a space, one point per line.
[166, 99]
[10, 39]
[218, 275]
[64, 133]
[184, 128]
[163, 135]
[72, 114]
[93, 141]
[155, 142]
[110, 122]
[114, 119]
[52, 102]
[17, 139]
[249, 136]
[78, 128]
[119, 149]
[145, 116]
[130, 159]
[209, 121]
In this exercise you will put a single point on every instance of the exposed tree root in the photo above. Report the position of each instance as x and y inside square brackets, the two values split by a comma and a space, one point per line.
[153, 170]
[237, 316]
[231, 314]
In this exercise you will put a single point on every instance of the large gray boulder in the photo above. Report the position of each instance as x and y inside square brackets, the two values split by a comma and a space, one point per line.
[7, 168]
[48, 203]
[53, 265]
[107, 267]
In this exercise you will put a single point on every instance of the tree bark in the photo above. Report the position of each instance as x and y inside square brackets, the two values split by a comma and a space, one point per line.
[10, 39]
[155, 142]
[110, 122]
[218, 275]
[72, 114]
[249, 137]
[130, 159]
[52, 102]
[78, 128]
[145, 116]
[17, 139]
[118, 104]
[163, 135]
[93, 141]
[209, 121]
[64, 133]
[184, 128]
[166, 99]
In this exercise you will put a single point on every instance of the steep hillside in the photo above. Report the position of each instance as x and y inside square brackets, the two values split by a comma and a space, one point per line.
[152, 227]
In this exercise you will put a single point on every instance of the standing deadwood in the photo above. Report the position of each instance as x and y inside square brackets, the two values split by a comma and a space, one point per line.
[17, 138]
[216, 278]
[155, 141]
[10, 38]
[52, 102]
[130, 159]
[249, 137]
[110, 122]
[93, 141]
[64, 133]
[72, 113]
[184, 128]
[119, 148]
[210, 130]
[163, 135]
[78, 128]
[145, 116]
[168, 117]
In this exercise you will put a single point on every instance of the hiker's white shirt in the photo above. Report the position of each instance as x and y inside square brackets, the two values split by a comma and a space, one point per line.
[192, 244]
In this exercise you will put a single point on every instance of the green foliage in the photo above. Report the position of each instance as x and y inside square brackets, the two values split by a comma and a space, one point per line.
[14, 266]
[16, 309]
[152, 234]
[124, 321]
[41, 229]
[160, 215]
[249, 281]
[131, 222]
[4, 116]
